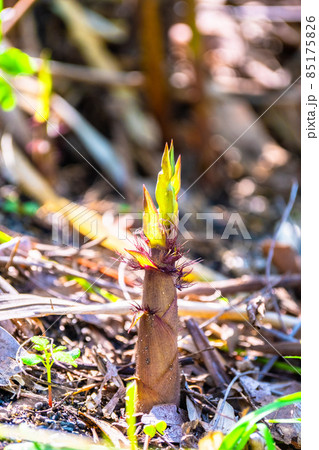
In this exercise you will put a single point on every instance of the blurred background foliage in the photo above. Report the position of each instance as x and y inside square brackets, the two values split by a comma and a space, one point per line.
[114, 80]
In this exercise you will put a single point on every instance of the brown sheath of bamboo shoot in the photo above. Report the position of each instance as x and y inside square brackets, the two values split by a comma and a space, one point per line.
[157, 369]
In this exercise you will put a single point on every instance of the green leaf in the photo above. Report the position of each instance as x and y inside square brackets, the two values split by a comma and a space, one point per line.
[32, 360]
[7, 97]
[161, 426]
[4, 237]
[75, 353]
[108, 295]
[176, 178]
[37, 347]
[60, 348]
[30, 208]
[152, 227]
[264, 430]
[293, 420]
[282, 365]
[239, 437]
[293, 357]
[68, 357]
[10, 205]
[150, 430]
[15, 62]
[167, 187]
[165, 197]
[41, 342]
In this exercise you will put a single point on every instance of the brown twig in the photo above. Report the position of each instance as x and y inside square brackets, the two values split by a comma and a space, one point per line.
[93, 75]
[284, 348]
[19, 9]
[211, 358]
[242, 284]
[12, 254]
[62, 269]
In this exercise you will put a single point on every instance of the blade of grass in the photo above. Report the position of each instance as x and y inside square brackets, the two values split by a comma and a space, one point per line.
[264, 430]
[130, 413]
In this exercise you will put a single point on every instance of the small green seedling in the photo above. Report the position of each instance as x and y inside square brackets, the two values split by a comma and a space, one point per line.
[158, 427]
[152, 429]
[50, 354]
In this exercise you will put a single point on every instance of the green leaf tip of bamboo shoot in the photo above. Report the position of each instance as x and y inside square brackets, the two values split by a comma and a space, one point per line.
[157, 223]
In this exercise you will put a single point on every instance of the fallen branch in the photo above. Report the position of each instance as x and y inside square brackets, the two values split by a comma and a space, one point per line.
[93, 75]
[18, 10]
[243, 284]
[26, 305]
[210, 357]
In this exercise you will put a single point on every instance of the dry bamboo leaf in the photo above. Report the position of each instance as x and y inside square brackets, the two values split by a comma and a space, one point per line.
[212, 441]
[8, 350]
[193, 411]
[118, 439]
[225, 415]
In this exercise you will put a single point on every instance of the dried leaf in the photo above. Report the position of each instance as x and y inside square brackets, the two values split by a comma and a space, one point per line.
[143, 260]
[116, 436]
[8, 350]
[256, 310]
[225, 415]
[192, 410]
[212, 441]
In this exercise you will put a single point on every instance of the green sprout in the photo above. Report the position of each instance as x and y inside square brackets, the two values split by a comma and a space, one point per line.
[152, 429]
[50, 354]
[130, 401]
